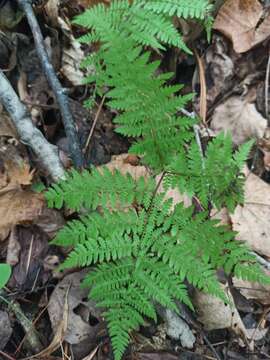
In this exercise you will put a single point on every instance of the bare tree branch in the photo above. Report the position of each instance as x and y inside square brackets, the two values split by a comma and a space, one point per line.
[29, 134]
[62, 99]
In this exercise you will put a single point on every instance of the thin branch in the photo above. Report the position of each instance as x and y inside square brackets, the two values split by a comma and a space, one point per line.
[29, 134]
[62, 99]
[94, 125]
[32, 336]
[266, 89]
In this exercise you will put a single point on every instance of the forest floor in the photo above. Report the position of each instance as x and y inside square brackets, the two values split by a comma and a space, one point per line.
[230, 77]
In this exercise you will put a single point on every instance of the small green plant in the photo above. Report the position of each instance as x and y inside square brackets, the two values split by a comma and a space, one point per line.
[142, 247]
[5, 272]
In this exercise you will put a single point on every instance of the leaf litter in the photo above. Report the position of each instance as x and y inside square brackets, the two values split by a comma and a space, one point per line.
[234, 66]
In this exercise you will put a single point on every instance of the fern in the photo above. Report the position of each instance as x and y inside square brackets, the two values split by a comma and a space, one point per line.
[140, 247]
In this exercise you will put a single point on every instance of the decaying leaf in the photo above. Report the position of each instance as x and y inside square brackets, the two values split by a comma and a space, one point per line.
[239, 21]
[79, 331]
[18, 207]
[254, 291]
[251, 220]
[240, 118]
[214, 314]
[72, 56]
[124, 165]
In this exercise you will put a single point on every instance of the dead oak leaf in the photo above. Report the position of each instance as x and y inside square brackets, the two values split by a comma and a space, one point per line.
[240, 118]
[18, 207]
[251, 220]
[239, 20]
[19, 174]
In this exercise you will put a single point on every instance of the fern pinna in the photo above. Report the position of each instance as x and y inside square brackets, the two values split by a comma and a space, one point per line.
[142, 247]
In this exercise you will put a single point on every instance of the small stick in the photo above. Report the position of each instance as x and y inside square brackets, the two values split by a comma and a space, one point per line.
[32, 339]
[93, 125]
[29, 134]
[266, 88]
[6, 356]
[62, 99]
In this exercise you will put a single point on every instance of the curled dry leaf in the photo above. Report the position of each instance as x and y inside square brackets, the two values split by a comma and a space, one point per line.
[240, 118]
[214, 314]
[254, 291]
[122, 164]
[239, 20]
[264, 146]
[88, 3]
[52, 9]
[251, 220]
[18, 207]
[72, 56]
[79, 330]
[13, 249]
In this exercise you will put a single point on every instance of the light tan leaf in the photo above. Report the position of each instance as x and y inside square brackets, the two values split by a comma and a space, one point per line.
[255, 291]
[71, 59]
[19, 173]
[18, 207]
[80, 331]
[214, 314]
[251, 220]
[121, 163]
[88, 3]
[240, 118]
[239, 19]
[6, 126]
[52, 9]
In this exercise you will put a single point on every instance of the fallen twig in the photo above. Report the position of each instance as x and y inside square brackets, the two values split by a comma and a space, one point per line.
[32, 339]
[266, 89]
[93, 126]
[62, 99]
[29, 134]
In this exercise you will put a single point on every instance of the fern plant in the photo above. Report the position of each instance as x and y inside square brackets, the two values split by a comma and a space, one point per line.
[5, 272]
[142, 248]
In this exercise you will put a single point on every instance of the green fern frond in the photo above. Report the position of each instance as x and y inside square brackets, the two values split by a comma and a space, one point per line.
[92, 226]
[251, 272]
[197, 9]
[120, 322]
[140, 247]
[97, 188]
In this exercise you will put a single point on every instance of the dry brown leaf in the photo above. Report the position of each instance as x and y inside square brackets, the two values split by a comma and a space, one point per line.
[254, 291]
[239, 19]
[72, 55]
[79, 332]
[240, 118]
[214, 314]
[59, 334]
[251, 220]
[6, 126]
[88, 3]
[19, 174]
[71, 60]
[52, 9]
[121, 163]
[13, 249]
[18, 207]
[264, 146]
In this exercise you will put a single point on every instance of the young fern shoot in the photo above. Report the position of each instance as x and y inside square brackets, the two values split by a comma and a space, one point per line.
[142, 248]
